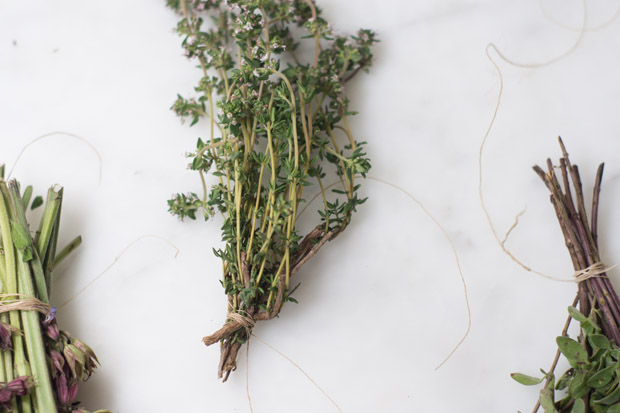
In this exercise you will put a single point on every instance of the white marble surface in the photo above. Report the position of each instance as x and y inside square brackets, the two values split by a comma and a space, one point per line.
[383, 305]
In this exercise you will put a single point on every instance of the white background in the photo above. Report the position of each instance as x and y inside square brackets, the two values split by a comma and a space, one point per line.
[383, 304]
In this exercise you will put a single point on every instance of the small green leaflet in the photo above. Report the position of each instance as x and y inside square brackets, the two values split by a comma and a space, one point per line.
[579, 407]
[577, 315]
[599, 341]
[577, 387]
[526, 380]
[611, 398]
[573, 351]
[546, 400]
[21, 239]
[601, 377]
[36, 202]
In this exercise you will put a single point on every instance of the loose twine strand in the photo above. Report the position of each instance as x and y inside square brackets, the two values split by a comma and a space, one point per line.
[248, 323]
[600, 26]
[448, 238]
[548, 62]
[456, 258]
[247, 374]
[480, 173]
[594, 270]
[79, 138]
[294, 364]
[100, 172]
[123, 251]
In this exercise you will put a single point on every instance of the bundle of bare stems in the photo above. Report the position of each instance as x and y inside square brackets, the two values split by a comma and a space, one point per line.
[592, 383]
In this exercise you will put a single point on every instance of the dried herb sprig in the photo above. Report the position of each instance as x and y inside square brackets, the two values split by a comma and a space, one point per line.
[592, 383]
[280, 123]
[40, 365]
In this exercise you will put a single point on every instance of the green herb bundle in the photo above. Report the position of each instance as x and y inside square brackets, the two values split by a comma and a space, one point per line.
[592, 383]
[277, 125]
[40, 365]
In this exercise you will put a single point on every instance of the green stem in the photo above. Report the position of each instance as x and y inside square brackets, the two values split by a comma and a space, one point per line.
[72, 246]
[15, 364]
[52, 208]
[7, 356]
[35, 347]
[2, 273]
[293, 113]
[17, 213]
[50, 254]
[7, 363]
[46, 242]
[27, 195]
[39, 278]
[2, 367]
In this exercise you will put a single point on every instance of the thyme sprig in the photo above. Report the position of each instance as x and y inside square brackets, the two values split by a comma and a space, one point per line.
[281, 125]
[592, 383]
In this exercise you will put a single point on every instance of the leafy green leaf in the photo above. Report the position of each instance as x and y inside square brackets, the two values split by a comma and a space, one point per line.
[27, 254]
[21, 236]
[577, 387]
[22, 240]
[546, 400]
[577, 315]
[601, 377]
[26, 196]
[611, 397]
[526, 380]
[573, 351]
[599, 341]
[579, 407]
[36, 202]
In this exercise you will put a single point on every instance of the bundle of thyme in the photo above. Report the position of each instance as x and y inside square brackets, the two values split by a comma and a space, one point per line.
[40, 365]
[592, 383]
[281, 121]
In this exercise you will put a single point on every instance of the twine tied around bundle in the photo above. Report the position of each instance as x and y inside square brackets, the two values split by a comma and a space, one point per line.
[593, 270]
[246, 322]
[16, 302]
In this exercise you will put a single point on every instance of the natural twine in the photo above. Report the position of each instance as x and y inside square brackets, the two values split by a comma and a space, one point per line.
[594, 270]
[300, 369]
[71, 135]
[114, 262]
[550, 61]
[27, 303]
[448, 238]
[246, 322]
[583, 28]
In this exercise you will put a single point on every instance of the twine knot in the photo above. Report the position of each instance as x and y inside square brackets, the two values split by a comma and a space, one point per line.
[246, 321]
[593, 270]
[15, 302]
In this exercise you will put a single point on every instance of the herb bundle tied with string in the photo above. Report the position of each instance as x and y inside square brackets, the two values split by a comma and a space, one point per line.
[592, 382]
[40, 365]
[282, 128]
